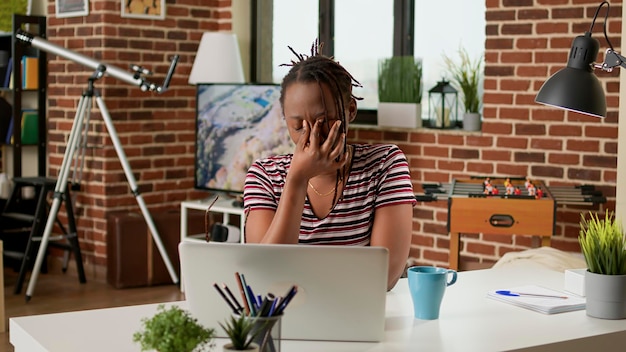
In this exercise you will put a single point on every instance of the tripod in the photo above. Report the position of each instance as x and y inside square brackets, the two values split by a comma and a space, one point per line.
[80, 127]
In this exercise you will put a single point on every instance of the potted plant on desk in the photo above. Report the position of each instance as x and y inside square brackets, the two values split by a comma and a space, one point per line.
[173, 330]
[604, 247]
[239, 329]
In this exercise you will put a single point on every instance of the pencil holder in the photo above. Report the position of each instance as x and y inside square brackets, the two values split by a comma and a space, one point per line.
[268, 337]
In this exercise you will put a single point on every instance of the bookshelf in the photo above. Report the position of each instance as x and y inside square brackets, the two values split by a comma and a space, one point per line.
[24, 145]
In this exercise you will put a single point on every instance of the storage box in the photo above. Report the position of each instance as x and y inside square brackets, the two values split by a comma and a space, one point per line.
[575, 281]
[133, 259]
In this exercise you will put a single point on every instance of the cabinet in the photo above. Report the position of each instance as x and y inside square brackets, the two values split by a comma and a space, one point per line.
[24, 157]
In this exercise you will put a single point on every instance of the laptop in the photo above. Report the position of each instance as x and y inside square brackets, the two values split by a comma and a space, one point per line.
[341, 290]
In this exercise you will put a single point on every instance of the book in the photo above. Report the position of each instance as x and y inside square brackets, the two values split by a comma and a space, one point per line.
[30, 127]
[9, 137]
[533, 297]
[30, 72]
[7, 75]
[6, 115]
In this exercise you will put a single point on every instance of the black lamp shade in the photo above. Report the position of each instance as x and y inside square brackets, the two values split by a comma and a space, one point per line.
[575, 87]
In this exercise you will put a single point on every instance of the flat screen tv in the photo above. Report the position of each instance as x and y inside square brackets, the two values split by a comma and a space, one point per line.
[235, 125]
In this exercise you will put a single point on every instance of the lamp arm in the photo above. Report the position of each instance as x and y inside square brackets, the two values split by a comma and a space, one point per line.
[131, 78]
[612, 59]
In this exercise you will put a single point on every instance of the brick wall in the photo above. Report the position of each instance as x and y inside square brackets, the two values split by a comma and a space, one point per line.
[526, 41]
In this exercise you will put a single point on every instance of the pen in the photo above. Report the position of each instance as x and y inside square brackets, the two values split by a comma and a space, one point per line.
[253, 305]
[225, 298]
[264, 308]
[232, 297]
[516, 294]
[283, 304]
[272, 308]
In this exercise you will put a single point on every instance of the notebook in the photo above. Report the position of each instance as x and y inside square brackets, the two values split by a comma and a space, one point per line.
[341, 289]
[539, 299]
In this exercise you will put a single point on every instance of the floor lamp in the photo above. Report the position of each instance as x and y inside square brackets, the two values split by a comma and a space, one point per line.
[79, 127]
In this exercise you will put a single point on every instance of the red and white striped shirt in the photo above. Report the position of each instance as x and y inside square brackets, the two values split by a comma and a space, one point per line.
[379, 177]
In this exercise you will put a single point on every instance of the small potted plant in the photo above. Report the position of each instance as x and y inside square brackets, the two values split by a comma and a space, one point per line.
[240, 330]
[173, 330]
[400, 92]
[603, 245]
[466, 76]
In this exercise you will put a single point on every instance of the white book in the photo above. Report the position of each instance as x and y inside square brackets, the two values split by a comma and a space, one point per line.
[539, 299]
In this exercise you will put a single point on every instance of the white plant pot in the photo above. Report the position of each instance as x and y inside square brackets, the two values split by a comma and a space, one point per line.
[402, 115]
[252, 348]
[471, 121]
[606, 295]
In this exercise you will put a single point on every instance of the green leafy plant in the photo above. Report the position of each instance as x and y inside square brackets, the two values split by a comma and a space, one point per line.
[466, 76]
[240, 329]
[400, 80]
[173, 330]
[603, 244]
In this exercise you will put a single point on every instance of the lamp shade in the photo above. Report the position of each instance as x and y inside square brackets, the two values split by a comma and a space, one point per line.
[575, 87]
[218, 60]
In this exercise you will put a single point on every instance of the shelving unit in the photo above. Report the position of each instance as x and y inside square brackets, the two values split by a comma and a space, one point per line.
[18, 157]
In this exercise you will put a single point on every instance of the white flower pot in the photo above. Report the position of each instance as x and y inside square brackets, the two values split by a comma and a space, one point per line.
[252, 348]
[402, 115]
[471, 121]
[606, 295]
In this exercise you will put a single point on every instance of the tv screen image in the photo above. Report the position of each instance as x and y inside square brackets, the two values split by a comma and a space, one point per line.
[236, 124]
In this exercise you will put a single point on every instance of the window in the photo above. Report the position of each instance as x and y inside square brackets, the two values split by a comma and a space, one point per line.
[361, 32]
[361, 41]
[295, 24]
[461, 25]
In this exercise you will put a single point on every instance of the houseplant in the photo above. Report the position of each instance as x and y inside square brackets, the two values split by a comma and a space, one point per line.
[173, 330]
[239, 329]
[603, 245]
[400, 92]
[466, 76]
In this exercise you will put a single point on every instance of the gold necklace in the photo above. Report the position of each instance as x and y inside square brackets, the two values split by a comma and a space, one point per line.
[321, 194]
[334, 188]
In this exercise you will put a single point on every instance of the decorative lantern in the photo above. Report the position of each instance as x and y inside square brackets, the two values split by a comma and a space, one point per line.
[443, 105]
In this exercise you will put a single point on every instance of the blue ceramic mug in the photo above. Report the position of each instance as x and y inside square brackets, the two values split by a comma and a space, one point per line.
[427, 285]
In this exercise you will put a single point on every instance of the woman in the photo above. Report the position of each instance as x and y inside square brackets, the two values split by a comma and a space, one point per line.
[328, 192]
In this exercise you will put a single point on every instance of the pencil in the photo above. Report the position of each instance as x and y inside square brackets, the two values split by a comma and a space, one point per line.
[243, 293]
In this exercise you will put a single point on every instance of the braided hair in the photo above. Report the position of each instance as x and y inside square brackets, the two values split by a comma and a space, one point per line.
[322, 69]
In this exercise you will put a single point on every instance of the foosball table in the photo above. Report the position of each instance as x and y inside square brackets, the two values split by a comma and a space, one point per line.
[504, 206]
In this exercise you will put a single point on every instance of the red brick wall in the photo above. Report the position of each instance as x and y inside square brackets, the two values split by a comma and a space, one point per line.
[526, 42]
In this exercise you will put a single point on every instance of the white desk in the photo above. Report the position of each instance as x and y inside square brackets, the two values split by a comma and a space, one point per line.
[468, 322]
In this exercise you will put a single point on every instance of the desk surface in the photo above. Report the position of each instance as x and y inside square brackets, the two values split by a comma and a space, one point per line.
[469, 321]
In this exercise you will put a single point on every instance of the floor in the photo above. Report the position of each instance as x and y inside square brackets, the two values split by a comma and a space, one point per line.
[58, 292]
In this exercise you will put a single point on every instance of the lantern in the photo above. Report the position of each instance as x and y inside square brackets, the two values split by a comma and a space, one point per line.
[443, 105]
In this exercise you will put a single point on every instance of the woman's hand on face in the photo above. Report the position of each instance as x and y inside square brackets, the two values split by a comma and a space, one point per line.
[315, 155]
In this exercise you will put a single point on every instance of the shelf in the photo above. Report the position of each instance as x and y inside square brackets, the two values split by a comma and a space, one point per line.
[19, 156]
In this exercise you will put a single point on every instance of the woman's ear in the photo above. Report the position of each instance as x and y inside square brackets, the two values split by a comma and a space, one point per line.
[352, 109]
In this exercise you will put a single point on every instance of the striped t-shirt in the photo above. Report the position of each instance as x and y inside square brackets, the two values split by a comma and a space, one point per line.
[379, 177]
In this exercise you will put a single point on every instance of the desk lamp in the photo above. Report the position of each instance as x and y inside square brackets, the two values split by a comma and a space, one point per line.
[218, 60]
[575, 87]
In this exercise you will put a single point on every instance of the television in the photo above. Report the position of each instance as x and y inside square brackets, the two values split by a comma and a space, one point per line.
[236, 124]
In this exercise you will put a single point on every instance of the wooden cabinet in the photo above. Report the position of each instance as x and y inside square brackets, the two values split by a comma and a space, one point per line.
[26, 95]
